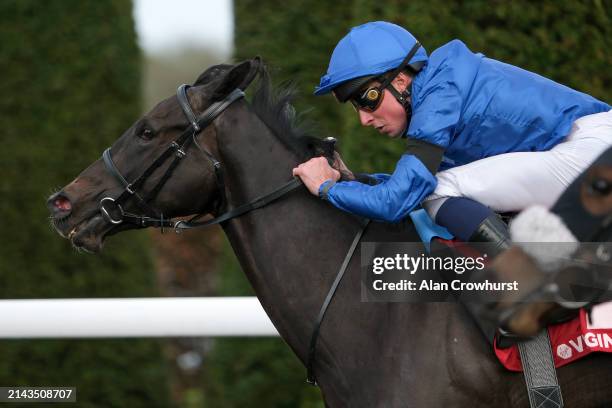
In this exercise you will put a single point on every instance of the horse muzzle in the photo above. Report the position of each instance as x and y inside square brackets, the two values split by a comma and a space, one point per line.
[84, 231]
[59, 205]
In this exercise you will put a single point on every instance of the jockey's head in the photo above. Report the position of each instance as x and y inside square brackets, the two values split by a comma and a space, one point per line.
[372, 61]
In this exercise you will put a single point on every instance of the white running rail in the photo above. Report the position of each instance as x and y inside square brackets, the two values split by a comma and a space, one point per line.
[134, 317]
[154, 317]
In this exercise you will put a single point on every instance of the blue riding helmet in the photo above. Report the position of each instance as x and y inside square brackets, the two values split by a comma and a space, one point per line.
[370, 50]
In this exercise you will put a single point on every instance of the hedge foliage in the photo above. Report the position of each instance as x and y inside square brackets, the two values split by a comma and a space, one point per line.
[567, 41]
[70, 86]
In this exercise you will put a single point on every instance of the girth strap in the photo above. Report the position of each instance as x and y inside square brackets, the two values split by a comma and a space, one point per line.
[539, 371]
[310, 377]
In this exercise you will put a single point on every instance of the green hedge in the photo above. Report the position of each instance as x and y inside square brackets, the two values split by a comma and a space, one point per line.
[70, 86]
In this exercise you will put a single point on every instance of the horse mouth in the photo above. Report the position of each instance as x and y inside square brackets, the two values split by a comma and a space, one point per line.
[89, 234]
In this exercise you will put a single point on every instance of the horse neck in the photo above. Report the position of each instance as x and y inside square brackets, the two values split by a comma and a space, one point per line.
[291, 251]
[286, 248]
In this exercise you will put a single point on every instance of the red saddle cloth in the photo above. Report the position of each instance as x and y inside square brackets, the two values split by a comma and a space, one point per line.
[570, 340]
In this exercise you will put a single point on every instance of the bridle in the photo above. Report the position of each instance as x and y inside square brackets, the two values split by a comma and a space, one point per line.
[112, 208]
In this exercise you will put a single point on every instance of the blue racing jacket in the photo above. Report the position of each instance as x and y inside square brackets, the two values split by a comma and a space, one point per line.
[473, 107]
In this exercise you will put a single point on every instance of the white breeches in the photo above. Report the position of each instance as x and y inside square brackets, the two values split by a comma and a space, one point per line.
[514, 181]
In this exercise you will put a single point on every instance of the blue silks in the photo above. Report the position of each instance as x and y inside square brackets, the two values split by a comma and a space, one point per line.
[474, 107]
[392, 199]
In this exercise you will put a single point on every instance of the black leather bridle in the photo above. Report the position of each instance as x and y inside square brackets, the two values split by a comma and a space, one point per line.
[112, 208]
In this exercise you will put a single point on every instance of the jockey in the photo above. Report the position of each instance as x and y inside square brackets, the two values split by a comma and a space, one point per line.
[483, 136]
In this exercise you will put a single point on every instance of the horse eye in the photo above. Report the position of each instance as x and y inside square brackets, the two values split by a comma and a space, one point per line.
[146, 134]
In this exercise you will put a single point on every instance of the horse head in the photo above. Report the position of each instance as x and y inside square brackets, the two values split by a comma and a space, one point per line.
[85, 211]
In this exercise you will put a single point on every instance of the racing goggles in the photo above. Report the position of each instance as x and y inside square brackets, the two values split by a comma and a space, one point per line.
[368, 99]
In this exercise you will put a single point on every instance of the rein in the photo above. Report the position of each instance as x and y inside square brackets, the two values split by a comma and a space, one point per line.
[110, 207]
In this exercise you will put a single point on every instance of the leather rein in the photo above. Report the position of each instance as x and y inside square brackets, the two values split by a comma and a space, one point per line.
[112, 210]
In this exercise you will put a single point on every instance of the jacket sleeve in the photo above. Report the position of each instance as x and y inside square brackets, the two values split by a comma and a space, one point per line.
[392, 199]
[381, 176]
[371, 179]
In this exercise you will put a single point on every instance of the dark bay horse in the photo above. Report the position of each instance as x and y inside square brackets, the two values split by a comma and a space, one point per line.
[368, 354]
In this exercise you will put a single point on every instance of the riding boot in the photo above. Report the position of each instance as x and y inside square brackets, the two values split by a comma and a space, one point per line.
[491, 237]
[494, 232]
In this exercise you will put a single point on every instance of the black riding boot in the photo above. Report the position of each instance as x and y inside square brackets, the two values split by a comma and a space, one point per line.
[494, 236]
[494, 232]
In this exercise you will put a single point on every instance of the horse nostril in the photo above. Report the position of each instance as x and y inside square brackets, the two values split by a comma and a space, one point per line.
[59, 204]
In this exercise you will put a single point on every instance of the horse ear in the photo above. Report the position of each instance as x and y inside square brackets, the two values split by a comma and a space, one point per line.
[240, 76]
[213, 73]
[255, 68]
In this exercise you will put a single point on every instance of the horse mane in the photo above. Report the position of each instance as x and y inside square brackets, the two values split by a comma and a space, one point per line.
[273, 105]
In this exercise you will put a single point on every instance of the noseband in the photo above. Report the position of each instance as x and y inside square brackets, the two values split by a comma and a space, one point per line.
[112, 208]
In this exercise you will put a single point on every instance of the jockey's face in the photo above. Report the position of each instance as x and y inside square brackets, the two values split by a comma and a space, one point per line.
[390, 117]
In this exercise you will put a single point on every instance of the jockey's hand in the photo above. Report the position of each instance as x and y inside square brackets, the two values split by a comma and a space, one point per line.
[315, 172]
[341, 167]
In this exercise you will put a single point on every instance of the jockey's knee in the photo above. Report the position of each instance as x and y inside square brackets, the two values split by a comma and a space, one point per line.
[432, 206]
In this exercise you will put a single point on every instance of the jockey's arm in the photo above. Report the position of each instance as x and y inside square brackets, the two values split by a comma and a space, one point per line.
[390, 200]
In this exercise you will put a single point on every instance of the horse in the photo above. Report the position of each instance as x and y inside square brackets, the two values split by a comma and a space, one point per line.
[369, 354]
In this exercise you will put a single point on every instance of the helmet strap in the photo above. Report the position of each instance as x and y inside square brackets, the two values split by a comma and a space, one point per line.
[404, 99]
